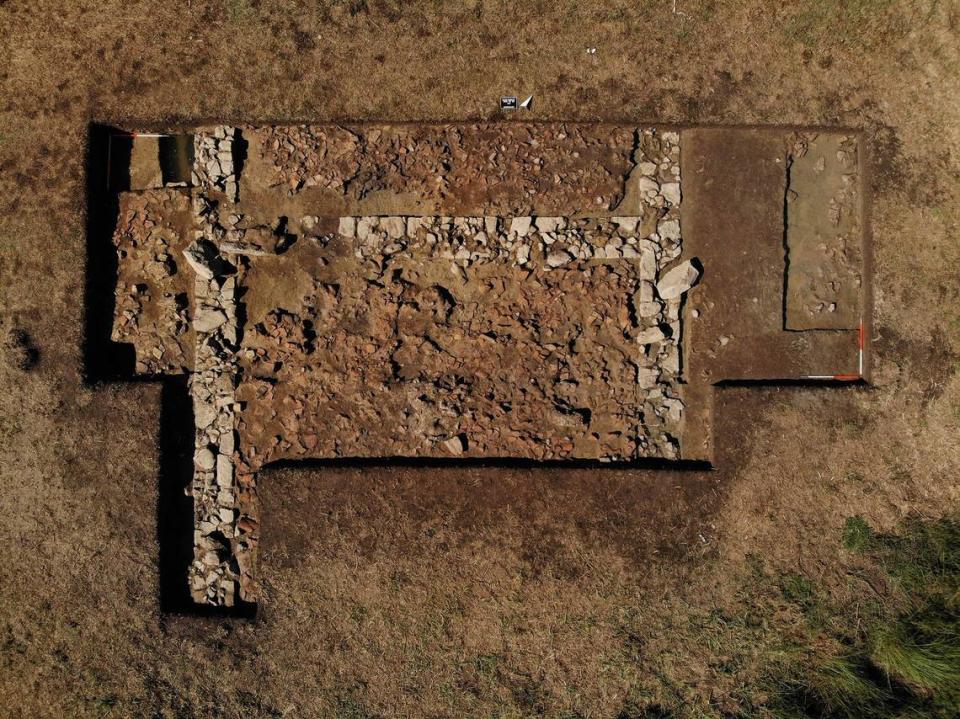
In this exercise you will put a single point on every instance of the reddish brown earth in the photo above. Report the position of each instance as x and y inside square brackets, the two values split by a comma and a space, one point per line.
[505, 169]
[414, 361]
[824, 233]
[733, 220]
[152, 297]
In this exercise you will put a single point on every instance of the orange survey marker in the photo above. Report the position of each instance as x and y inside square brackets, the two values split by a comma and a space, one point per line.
[861, 341]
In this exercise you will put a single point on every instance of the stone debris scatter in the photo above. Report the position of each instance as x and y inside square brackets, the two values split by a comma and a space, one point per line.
[214, 573]
[465, 327]
[222, 496]
[677, 281]
[824, 234]
[504, 333]
[564, 168]
[554, 241]
[152, 295]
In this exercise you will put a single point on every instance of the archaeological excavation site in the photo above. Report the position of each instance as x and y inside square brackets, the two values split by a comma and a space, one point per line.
[504, 292]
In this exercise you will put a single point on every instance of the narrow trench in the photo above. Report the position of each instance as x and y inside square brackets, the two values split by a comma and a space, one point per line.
[642, 463]
[176, 158]
[174, 506]
[787, 165]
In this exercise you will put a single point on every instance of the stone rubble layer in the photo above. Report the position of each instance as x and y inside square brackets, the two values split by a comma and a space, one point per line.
[153, 293]
[214, 575]
[508, 168]
[399, 310]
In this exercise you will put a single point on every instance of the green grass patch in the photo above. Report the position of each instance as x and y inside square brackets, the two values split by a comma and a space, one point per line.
[239, 11]
[840, 687]
[857, 534]
[903, 660]
[922, 651]
[486, 664]
[349, 708]
[797, 589]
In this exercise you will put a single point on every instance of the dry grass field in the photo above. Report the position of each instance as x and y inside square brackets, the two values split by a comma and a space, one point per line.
[815, 573]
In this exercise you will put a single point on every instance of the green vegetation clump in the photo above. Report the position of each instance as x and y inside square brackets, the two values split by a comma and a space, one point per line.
[856, 534]
[902, 656]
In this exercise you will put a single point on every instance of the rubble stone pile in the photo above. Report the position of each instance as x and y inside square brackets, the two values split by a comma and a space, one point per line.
[214, 573]
[152, 295]
[472, 322]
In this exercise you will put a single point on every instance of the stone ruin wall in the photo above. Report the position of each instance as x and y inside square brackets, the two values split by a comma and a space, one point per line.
[440, 379]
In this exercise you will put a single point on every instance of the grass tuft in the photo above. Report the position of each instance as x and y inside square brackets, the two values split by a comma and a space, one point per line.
[904, 658]
[921, 651]
[349, 708]
[857, 534]
[797, 589]
[840, 688]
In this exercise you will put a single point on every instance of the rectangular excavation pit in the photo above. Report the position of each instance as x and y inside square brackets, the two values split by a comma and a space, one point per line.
[532, 292]
[462, 336]
[823, 237]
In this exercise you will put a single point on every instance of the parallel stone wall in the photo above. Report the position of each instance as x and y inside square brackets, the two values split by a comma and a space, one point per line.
[214, 165]
[214, 571]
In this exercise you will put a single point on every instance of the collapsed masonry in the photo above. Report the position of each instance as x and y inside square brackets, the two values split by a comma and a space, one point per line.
[496, 291]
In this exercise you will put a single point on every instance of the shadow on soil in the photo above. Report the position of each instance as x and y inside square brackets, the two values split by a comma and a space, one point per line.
[493, 463]
[174, 506]
[107, 164]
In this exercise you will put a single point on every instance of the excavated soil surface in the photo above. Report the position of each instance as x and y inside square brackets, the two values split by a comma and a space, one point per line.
[320, 335]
